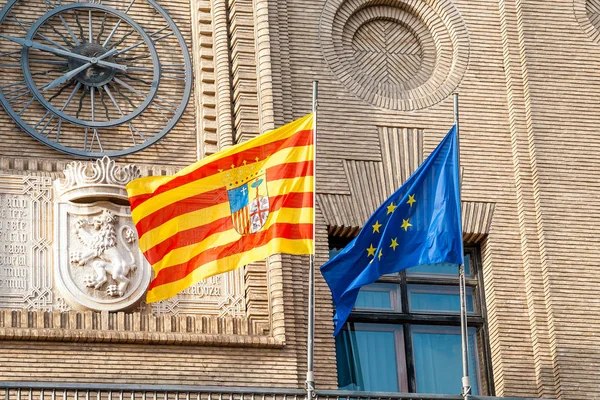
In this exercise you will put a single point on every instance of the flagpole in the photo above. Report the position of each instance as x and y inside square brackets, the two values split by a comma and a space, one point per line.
[310, 375]
[466, 382]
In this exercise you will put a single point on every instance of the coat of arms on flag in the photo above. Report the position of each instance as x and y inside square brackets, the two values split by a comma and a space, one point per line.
[248, 198]
[217, 215]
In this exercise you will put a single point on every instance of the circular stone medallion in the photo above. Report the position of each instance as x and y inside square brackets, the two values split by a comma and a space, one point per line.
[400, 54]
[587, 13]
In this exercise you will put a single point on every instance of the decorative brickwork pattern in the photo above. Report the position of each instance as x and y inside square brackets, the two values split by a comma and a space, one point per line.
[587, 13]
[531, 224]
[371, 182]
[243, 62]
[134, 327]
[222, 68]
[204, 72]
[391, 55]
[401, 54]
[279, 45]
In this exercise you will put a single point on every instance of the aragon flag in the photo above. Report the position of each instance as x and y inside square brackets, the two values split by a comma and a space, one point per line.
[232, 208]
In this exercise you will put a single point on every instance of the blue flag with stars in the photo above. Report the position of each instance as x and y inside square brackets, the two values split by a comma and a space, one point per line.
[419, 224]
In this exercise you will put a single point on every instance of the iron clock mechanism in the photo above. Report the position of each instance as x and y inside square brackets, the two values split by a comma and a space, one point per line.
[93, 78]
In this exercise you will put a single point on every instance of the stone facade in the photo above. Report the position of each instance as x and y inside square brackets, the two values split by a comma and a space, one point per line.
[527, 75]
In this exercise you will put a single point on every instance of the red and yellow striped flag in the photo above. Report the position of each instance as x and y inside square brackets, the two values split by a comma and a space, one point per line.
[227, 210]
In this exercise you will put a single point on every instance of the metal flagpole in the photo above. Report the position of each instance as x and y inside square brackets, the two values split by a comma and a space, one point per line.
[466, 382]
[310, 375]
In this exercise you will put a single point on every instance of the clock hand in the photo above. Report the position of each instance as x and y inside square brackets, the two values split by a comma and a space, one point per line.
[43, 47]
[64, 78]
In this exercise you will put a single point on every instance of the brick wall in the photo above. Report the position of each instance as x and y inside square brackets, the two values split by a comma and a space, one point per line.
[527, 78]
[528, 113]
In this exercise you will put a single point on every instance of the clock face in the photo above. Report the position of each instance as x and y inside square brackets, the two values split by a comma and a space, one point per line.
[93, 79]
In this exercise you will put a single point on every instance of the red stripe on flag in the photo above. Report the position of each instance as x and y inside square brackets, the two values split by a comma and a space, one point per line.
[217, 196]
[137, 200]
[290, 170]
[180, 271]
[300, 138]
[193, 203]
[246, 221]
[199, 233]
[240, 221]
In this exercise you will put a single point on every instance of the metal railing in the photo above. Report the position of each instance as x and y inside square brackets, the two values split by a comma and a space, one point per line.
[99, 391]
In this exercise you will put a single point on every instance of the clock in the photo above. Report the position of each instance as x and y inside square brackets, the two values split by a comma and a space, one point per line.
[93, 78]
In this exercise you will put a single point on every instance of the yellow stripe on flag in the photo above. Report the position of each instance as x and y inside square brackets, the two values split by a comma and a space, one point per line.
[183, 254]
[289, 246]
[294, 154]
[148, 185]
[209, 214]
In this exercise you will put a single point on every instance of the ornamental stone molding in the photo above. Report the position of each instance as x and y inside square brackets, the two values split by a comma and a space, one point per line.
[401, 155]
[70, 268]
[398, 54]
[26, 243]
[98, 179]
[98, 265]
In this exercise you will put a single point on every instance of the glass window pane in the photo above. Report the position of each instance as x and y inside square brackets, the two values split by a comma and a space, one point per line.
[334, 252]
[371, 357]
[378, 296]
[441, 268]
[437, 299]
[468, 265]
[438, 361]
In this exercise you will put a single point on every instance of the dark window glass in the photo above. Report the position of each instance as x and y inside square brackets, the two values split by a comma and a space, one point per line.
[371, 358]
[379, 296]
[437, 299]
[437, 352]
[404, 333]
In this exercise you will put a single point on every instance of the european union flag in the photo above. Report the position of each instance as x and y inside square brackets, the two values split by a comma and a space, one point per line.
[419, 224]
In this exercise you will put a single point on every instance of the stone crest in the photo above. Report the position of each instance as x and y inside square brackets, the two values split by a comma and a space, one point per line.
[98, 264]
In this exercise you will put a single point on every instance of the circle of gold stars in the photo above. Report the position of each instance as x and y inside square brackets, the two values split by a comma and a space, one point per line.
[372, 250]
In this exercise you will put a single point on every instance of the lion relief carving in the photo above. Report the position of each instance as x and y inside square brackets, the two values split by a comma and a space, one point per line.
[101, 241]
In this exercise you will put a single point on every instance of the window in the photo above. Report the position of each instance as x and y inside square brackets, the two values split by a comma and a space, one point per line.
[404, 333]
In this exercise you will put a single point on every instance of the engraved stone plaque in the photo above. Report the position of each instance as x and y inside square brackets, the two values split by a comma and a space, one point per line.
[15, 230]
[70, 243]
[25, 242]
[221, 295]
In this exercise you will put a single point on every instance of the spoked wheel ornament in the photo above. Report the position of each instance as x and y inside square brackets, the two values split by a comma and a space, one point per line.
[87, 79]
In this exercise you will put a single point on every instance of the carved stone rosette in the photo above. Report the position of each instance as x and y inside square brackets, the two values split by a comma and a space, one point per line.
[98, 264]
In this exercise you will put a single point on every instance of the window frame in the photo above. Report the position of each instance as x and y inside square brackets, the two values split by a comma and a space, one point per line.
[478, 319]
[399, 338]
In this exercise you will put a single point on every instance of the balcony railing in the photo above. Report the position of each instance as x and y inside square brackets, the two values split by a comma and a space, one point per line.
[97, 391]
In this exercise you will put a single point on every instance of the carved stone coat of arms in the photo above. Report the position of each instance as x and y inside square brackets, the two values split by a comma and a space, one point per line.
[98, 263]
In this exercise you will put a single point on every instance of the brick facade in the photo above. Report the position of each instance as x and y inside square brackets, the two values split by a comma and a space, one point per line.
[527, 75]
